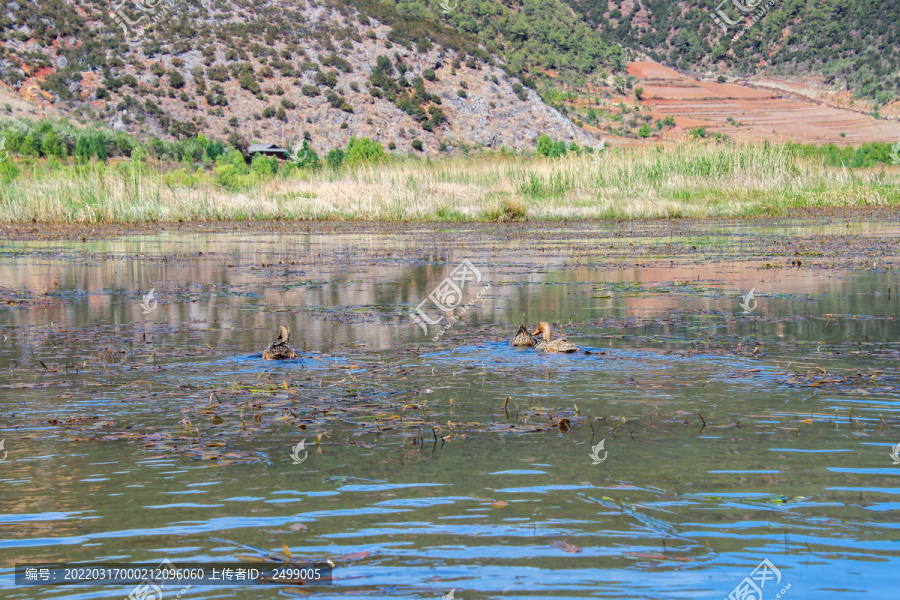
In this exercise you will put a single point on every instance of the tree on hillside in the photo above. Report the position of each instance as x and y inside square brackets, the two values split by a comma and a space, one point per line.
[176, 80]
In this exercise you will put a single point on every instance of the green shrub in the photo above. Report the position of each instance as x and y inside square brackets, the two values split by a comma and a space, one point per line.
[305, 157]
[335, 158]
[264, 165]
[182, 177]
[336, 61]
[247, 81]
[363, 150]
[326, 78]
[230, 177]
[697, 132]
[218, 73]
[544, 145]
[51, 145]
[176, 80]
[8, 171]
[232, 158]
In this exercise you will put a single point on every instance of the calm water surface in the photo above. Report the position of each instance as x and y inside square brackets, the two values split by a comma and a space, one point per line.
[729, 437]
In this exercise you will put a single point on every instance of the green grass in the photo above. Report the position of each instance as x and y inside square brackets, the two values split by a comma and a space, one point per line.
[697, 179]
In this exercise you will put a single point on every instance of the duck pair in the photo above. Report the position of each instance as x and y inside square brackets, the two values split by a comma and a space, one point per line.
[281, 347]
[524, 338]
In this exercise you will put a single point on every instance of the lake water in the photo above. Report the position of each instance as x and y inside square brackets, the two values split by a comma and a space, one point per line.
[704, 432]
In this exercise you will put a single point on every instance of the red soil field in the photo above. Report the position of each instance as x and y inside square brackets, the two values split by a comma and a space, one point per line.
[762, 112]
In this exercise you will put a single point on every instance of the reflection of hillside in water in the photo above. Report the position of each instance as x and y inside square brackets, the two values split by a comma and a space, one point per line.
[344, 290]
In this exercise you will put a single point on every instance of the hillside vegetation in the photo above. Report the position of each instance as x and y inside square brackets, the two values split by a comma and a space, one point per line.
[321, 70]
[844, 44]
[418, 76]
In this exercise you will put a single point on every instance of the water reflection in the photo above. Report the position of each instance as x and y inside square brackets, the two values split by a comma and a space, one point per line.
[730, 436]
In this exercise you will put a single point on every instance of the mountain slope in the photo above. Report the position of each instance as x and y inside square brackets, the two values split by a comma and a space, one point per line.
[843, 44]
[277, 71]
[452, 75]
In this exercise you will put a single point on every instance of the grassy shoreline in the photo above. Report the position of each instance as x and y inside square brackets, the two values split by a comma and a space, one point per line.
[692, 180]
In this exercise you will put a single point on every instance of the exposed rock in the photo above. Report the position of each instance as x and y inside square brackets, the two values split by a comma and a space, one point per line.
[117, 124]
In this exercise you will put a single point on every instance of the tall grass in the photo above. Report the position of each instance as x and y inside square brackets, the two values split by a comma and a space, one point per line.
[688, 180]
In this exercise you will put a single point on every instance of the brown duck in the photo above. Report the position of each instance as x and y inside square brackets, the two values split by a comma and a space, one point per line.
[280, 348]
[551, 345]
[523, 338]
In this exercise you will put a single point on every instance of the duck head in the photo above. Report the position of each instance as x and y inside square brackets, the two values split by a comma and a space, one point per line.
[284, 334]
[543, 327]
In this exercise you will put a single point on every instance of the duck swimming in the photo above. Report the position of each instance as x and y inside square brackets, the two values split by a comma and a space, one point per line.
[280, 348]
[550, 345]
[523, 338]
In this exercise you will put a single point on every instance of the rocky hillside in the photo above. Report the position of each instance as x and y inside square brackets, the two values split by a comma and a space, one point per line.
[426, 76]
[273, 72]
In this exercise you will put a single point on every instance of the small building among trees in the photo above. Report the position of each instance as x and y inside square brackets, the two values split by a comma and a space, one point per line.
[267, 150]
